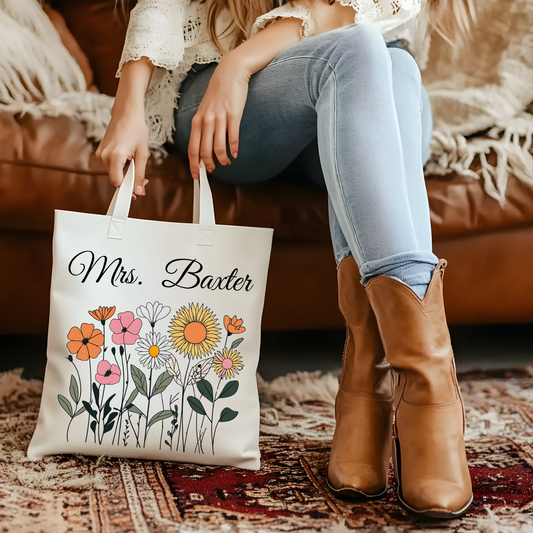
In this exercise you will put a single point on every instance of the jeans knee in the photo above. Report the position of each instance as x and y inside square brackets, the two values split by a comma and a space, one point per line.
[404, 68]
[365, 39]
[361, 44]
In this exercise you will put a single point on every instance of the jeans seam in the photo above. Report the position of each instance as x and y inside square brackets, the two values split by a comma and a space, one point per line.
[338, 184]
[279, 61]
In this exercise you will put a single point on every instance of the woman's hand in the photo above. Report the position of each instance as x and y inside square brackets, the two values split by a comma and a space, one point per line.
[126, 136]
[216, 123]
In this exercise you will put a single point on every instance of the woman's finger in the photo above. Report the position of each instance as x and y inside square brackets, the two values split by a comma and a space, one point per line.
[206, 143]
[141, 159]
[116, 168]
[233, 135]
[220, 147]
[194, 146]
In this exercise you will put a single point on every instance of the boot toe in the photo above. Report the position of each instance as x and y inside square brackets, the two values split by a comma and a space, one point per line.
[358, 478]
[438, 498]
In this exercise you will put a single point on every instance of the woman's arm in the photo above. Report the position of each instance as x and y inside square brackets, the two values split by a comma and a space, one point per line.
[127, 134]
[154, 38]
[221, 109]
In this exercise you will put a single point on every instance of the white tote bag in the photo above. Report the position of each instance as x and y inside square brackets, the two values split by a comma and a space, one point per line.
[154, 336]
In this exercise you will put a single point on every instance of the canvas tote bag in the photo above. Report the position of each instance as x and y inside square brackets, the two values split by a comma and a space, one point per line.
[154, 336]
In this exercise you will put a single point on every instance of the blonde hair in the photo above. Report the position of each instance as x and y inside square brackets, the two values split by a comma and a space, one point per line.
[243, 14]
[452, 19]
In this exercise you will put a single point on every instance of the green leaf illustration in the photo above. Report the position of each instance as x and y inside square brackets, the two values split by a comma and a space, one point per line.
[63, 402]
[134, 409]
[163, 381]
[107, 406]
[229, 389]
[132, 397]
[93, 426]
[112, 417]
[73, 389]
[108, 427]
[196, 405]
[236, 343]
[140, 380]
[227, 415]
[205, 389]
[159, 416]
[80, 411]
[167, 443]
[96, 392]
[90, 410]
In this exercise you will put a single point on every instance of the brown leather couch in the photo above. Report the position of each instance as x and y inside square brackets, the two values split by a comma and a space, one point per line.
[48, 164]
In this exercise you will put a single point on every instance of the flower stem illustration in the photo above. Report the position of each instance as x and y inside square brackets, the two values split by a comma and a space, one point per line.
[75, 392]
[119, 400]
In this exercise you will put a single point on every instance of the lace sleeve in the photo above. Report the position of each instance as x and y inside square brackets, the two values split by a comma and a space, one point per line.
[386, 13]
[155, 31]
[297, 11]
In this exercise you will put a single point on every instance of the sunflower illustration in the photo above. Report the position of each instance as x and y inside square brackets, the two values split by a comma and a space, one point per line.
[194, 330]
[227, 364]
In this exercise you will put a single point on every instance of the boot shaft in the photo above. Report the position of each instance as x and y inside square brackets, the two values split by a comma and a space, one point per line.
[416, 337]
[364, 366]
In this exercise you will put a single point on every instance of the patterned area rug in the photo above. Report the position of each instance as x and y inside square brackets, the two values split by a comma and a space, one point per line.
[76, 494]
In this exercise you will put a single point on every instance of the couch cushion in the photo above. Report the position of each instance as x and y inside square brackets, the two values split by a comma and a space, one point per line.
[52, 166]
[70, 43]
[100, 34]
[48, 164]
[460, 205]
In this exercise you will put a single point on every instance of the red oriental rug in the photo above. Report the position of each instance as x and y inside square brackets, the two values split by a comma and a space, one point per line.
[79, 494]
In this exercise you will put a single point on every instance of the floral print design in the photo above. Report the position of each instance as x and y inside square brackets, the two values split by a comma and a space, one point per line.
[125, 328]
[154, 350]
[85, 342]
[153, 312]
[107, 374]
[153, 381]
[233, 325]
[103, 313]
[227, 363]
[194, 330]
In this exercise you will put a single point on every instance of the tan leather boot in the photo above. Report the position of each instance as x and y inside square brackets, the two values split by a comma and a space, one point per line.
[360, 452]
[428, 452]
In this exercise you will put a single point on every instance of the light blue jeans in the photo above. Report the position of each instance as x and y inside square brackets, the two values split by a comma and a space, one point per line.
[353, 112]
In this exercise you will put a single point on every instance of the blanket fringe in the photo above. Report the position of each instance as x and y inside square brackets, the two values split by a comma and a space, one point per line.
[34, 64]
[92, 109]
[512, 142]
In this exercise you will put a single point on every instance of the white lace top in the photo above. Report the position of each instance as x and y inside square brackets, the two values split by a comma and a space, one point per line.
[173, 34]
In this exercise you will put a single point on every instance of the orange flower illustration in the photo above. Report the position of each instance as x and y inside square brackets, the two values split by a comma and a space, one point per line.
[103, 313]
[233, 326]
[85, 342]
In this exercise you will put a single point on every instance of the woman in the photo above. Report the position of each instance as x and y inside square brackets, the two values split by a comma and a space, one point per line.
[315, 83]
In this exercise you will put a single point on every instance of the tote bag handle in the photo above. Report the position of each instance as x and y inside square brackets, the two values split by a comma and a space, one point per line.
[119, 209]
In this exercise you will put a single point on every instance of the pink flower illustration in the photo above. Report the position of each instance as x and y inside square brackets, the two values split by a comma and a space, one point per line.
[125, 328]
[107, 374]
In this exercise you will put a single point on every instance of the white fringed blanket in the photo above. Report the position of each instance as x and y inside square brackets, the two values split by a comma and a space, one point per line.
[37, 73]
[487, 89]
